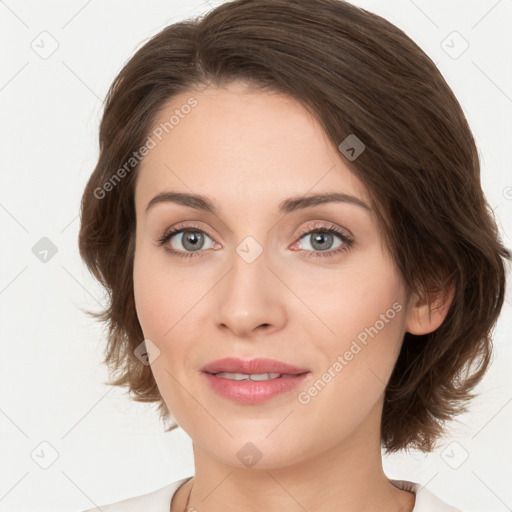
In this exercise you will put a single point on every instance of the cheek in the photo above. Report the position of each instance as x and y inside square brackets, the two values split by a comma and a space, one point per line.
[362, 295]
[147, 301]
[371, 314]
[364, 310]
[357, 361]
[166, 301]
[153, 302]
[162, 314]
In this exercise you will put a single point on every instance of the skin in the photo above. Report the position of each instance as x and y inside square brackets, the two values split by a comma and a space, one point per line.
[248, 150]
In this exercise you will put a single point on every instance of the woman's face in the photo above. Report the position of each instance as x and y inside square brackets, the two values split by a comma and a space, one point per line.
[251, 283]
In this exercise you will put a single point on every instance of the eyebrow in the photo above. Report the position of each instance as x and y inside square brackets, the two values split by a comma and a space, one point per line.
[199, 202]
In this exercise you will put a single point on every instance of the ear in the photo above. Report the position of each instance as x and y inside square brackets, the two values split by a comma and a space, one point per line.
[423, 318]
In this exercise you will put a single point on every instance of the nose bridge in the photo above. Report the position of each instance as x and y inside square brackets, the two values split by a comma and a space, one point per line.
[249, 296]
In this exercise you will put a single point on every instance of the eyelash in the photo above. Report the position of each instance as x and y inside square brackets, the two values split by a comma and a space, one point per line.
[317, 228]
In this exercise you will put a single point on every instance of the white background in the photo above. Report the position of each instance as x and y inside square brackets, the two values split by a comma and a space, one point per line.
[52, 382]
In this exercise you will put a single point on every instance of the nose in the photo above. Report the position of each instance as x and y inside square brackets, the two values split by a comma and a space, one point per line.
[250, 299]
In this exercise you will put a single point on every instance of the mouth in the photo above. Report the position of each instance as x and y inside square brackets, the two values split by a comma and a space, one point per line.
[253, 389]
[249, 387]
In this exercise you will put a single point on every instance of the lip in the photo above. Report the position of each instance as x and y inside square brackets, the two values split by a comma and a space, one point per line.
[252, 392]
[258, 365]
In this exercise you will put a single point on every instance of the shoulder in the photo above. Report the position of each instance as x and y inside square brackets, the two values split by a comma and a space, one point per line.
[154, 501]
[426, 500]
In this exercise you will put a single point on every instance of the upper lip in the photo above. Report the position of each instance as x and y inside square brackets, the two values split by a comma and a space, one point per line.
[259, 365]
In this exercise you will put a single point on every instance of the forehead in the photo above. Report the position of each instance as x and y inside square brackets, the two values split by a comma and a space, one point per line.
[241, 143]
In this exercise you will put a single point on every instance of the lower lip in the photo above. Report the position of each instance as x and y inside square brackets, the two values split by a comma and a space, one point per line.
[253, 392]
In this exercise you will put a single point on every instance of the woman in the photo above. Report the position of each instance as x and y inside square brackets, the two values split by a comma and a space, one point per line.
[288, 217]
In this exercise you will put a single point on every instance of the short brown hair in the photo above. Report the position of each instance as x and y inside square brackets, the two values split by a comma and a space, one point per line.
[358, 74]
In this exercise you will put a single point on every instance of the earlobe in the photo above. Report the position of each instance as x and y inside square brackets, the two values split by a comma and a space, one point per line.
[424, 318]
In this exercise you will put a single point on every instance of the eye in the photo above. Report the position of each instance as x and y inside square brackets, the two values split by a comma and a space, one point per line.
[322, 241]
[191, 238]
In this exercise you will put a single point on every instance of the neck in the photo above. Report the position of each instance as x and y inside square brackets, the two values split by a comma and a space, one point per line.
[347, 476]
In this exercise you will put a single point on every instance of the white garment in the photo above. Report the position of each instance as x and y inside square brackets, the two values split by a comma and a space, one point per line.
[160, 500]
